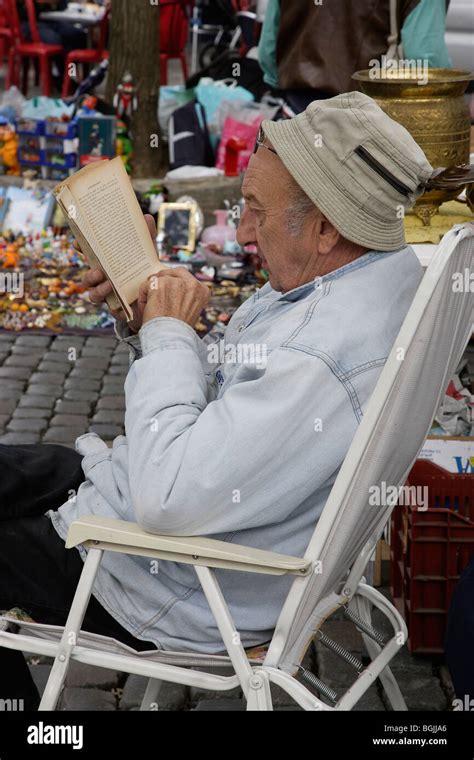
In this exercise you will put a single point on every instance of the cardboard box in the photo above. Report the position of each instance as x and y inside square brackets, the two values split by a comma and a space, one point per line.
[455, 454]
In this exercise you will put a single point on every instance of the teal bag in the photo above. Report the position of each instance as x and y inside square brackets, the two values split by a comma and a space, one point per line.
[211, 94]
[171, 97]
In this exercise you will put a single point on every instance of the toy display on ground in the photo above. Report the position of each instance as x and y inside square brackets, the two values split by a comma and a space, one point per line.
[41, 285]
[41, 273]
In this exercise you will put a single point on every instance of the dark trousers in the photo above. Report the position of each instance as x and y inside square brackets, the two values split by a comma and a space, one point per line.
[460, 636]
[37, 573]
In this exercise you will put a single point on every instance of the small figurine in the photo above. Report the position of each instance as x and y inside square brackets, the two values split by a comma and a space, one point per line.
[10, 257]
[124, 145]
[125, 98]
[89, 103]
[8, 151]
[30, 180]
[94, 138]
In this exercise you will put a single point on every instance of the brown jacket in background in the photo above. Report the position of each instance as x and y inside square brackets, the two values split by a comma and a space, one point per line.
[320, 46]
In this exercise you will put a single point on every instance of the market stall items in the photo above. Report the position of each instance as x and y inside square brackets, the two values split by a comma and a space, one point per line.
[8, 150]
[46, 272]
[433, 109]
[41, 285]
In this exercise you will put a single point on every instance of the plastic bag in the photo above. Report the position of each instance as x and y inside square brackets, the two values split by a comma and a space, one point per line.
[245, 132]
[246, 112]
[47, 108]
[171, 98]
[12, 103]
[211, 94]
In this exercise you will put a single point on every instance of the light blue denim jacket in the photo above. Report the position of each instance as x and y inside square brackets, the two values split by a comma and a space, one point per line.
[244, 451]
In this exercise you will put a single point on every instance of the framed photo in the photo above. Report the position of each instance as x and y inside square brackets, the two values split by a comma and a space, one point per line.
[26, 211]
[96, 138]
[177, 224]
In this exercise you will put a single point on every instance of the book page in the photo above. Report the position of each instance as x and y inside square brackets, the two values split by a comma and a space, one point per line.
[83, 236]
[116, 227]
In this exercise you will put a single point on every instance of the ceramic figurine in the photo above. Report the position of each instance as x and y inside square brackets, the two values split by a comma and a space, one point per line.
[124, 145]
[125, 98]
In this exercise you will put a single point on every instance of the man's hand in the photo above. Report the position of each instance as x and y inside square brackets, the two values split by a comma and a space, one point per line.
[173, 293]
[100, 287]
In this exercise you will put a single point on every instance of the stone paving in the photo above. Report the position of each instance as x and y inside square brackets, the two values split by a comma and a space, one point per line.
[424, 684]
[53, 389]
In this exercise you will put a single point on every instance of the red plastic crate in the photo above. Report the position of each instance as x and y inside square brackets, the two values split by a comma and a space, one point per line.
[429, 550]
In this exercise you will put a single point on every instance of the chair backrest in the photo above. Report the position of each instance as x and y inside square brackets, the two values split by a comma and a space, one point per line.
[4, 14]
[9, 12]
[394, 427]
[174, 27]
[32, 22]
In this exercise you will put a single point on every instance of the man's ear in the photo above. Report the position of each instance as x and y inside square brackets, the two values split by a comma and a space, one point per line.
[328, 235]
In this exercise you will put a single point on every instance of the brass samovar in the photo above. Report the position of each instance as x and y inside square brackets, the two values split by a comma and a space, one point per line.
[432, 107]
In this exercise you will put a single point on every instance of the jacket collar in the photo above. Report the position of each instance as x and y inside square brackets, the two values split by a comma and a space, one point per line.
[302, 290]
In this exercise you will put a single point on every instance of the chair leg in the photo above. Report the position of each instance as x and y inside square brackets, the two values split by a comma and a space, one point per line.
[24, 77]
[66, 83]
[150, 698]
[11, 79]
[387, 679]
[45, 76]
[184, 65]
[71, 630]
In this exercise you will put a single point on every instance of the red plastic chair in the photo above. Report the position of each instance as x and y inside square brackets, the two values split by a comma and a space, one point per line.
[86, 57]
[34, 50]
[174, 27]
[6, 32]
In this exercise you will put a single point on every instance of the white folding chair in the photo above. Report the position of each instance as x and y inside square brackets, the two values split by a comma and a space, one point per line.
[330, 575]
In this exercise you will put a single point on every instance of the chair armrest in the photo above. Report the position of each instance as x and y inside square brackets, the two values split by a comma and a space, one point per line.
[126, 537]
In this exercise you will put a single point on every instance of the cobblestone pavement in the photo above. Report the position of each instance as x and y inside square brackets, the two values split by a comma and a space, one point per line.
[53, 390]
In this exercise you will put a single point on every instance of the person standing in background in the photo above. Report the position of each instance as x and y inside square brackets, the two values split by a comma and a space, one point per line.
[311, 50]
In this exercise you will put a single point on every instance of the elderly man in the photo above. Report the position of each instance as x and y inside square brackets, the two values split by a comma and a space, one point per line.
[248, 450]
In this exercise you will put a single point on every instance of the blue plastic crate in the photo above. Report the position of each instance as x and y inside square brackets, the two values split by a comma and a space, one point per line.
[60, 130]
[33, 127]
[23, 160]
[69, 161]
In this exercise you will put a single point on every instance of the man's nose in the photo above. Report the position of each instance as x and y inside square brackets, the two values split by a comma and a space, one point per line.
[246, 229]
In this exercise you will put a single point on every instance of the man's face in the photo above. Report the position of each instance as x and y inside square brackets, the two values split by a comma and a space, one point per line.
[268, 190]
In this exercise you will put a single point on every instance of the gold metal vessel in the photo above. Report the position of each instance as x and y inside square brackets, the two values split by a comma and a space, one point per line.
[432, 107]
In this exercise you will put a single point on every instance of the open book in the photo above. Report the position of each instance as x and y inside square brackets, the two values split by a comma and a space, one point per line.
[105, 217]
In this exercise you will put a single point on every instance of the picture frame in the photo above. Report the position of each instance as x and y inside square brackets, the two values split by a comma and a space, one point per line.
[97, 138]
[177, 224]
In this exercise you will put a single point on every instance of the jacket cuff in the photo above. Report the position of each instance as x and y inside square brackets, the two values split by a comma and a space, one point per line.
[125, 335]
[164, 333]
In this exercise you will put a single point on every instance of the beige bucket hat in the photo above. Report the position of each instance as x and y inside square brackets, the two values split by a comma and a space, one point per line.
[359, 167]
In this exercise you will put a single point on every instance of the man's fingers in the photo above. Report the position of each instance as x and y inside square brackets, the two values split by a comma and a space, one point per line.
[98, 294]
[150, 223]
[93, 277]
[143, 292]
[173, 272]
